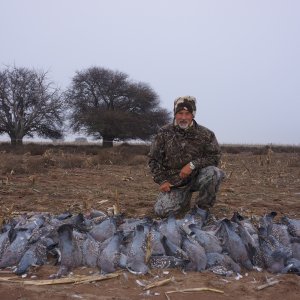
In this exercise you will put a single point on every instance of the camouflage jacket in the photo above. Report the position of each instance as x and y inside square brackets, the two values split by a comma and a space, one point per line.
[174, 147]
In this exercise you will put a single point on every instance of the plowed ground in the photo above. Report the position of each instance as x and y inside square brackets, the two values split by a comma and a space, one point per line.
[43, 183]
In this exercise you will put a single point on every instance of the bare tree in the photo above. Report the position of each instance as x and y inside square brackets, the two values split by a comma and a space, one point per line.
[108, 105]
[29, 104]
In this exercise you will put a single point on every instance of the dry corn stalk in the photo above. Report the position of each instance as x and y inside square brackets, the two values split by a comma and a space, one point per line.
[158, 283]
[247, 169]
[148, 247]
[32, 180]
[75, 279]
[116, 206]
[88, 279]
[270, 283]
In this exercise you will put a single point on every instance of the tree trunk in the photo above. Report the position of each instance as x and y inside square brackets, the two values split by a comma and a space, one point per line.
[16, 141]
[107, 142]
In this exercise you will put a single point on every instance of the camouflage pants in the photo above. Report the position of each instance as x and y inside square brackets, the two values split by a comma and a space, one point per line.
[207, 183]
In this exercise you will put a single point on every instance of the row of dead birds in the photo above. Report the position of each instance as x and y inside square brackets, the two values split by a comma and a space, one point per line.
[196, 242]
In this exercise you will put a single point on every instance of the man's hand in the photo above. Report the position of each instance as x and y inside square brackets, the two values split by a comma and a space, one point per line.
[185, 171]
[165, 186]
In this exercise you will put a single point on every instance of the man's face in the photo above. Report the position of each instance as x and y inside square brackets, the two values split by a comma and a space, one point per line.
[184, 118]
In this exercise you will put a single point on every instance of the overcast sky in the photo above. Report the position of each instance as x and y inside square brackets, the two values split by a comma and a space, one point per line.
[239, 58]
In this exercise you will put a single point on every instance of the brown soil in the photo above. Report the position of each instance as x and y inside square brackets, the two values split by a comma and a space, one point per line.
[253, 187]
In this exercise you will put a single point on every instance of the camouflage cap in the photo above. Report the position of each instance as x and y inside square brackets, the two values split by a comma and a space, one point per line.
[185, 103]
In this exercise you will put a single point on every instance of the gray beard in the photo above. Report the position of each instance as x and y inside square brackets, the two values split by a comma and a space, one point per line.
[185, 126]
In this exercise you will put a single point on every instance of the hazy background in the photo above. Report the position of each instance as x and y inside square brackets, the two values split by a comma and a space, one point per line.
[239, 58]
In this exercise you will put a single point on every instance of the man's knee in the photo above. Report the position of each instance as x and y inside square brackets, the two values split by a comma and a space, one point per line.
[160, 211]
[212, 172]
[163, 204]
[173, 201]
[208, 177]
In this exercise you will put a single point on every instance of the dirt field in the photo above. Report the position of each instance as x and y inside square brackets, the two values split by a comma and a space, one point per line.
[57, 181]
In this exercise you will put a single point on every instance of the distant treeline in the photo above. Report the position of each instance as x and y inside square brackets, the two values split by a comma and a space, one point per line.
[95, 149]
[260, 149]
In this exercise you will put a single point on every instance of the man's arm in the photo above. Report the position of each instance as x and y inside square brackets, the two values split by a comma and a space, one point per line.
[211, 155]
[156, 156]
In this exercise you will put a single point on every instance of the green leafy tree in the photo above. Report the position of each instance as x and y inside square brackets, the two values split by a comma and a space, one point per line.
[107, 105]
[29, 104]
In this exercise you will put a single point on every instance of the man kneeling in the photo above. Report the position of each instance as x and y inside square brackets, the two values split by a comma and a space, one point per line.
[183, 159]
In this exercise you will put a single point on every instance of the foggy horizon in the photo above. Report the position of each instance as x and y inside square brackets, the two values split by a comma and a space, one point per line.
[240, 59]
